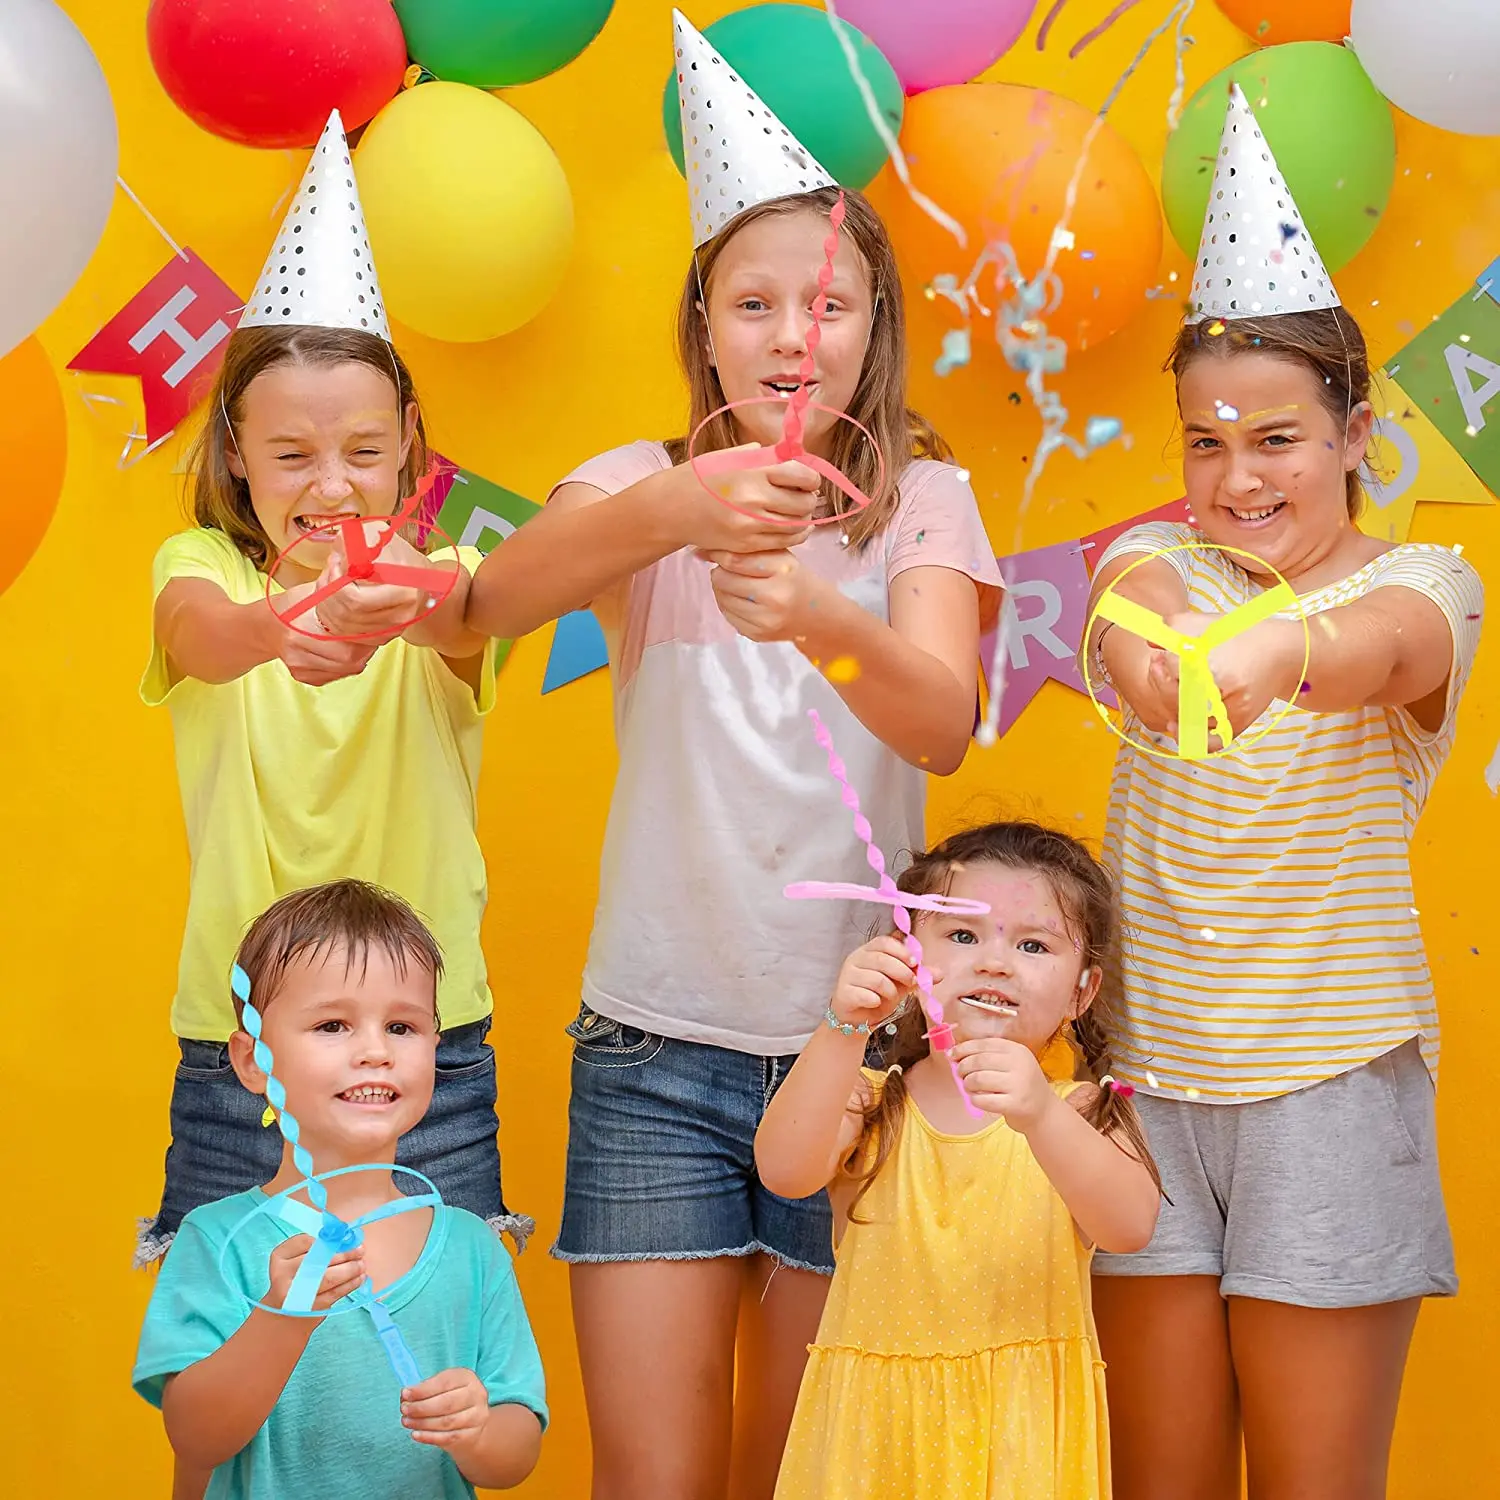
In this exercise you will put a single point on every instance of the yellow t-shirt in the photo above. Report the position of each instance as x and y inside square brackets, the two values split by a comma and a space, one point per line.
[285, 786]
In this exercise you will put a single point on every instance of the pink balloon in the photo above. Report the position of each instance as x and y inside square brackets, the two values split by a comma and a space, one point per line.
[935, 42]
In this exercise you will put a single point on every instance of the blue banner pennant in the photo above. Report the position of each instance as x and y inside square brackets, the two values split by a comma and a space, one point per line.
[577, 649]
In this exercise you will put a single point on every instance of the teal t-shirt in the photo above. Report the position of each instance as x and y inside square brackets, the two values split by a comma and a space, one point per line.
[337, 1428]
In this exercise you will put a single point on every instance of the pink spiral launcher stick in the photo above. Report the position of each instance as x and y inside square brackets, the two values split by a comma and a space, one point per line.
[790, 445]
[940, 1033]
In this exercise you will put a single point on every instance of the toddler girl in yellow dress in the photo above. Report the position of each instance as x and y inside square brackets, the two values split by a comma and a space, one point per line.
[957, 1356]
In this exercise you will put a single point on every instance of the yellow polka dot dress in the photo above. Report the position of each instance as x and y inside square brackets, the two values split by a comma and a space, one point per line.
[957, 1357]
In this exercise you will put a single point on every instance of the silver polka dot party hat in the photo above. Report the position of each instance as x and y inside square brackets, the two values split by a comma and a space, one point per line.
[737, 153]
[1256, 258]
[320, 273]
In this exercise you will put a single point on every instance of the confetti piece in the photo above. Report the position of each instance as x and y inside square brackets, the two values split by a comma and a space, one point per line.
[842, 669]
[955, 353]
[1151, 1079]
[1101, 430]
[1209, 934]
[1062, 238]
[1215, 329]
[269, 1117]
[1192, 1093]
[1226, 412]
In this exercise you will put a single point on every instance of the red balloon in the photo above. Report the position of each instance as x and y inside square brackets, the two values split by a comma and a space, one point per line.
[269, 72]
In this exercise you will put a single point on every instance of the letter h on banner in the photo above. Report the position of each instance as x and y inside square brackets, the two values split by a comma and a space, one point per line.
[170, 335]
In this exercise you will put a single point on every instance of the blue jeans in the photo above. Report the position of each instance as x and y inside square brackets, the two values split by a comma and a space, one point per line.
[661, 1155]
[219, 1146]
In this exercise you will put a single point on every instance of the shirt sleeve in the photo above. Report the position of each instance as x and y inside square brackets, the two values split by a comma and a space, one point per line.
[1441, 575]
[200, 553]
[1153, 538]
[937, 525]
[619, 468]
[510, 1364]
[192, 1312]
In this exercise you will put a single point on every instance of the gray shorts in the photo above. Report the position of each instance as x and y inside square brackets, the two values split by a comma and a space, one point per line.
[1328, 1197]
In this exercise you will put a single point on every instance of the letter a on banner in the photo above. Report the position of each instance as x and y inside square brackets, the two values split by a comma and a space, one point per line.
[171, 335]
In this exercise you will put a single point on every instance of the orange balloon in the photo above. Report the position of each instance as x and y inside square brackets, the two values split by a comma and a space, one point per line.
[1271, 22]
[999, 157]
[34, 440]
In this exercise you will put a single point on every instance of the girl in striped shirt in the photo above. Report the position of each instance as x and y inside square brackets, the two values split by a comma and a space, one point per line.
[1279, 1023]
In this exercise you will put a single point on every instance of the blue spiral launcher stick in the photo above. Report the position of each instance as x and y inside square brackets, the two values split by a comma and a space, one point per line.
[331, 1235]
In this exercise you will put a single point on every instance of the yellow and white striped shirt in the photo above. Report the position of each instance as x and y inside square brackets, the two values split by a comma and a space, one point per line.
[1271, 937]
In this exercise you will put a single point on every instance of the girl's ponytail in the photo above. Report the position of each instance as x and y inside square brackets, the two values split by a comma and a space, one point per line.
[886, 1113]
[1110, 1112]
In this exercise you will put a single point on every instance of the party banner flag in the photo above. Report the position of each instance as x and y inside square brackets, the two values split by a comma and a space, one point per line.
[1451, 372]
[577, 649]
[476, 512]
[1041, 626]
[1095, 542]
[171, 335]
[1410, 462]
[473, 510]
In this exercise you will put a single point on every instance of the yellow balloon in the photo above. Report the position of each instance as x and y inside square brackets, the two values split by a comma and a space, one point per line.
[469, 213]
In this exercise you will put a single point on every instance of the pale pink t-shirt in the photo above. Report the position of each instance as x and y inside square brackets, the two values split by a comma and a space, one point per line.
[723, 796]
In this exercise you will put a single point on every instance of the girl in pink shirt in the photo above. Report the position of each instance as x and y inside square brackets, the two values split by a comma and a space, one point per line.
[703, 982]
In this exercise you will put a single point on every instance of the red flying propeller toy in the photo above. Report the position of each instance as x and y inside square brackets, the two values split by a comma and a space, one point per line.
[363, 565]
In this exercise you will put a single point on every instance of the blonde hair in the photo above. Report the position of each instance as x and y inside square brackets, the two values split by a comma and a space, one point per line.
[219, 498]
[880, 398]
[1085, 892]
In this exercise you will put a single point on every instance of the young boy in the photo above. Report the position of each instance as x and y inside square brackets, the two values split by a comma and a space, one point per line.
[344, 976]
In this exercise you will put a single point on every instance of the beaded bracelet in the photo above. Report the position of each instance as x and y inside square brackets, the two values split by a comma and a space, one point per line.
[864, 1028]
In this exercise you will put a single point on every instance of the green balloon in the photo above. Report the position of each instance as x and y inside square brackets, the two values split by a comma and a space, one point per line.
[789, 55]
[1329, 129]
[493, 44]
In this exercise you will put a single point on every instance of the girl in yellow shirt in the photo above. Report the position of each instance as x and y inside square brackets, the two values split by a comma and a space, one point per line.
[304, 756]
[957, 1356]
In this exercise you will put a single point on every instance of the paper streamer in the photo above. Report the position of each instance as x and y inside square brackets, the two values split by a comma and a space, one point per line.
[940, 1033]
[331, 1235]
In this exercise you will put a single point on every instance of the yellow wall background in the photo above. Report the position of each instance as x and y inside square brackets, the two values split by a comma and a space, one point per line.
[94, 883]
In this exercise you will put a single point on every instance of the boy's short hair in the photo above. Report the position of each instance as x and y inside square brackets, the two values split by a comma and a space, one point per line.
[350, 914]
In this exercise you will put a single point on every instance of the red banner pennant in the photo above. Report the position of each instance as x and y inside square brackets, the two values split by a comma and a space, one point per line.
[171, 335]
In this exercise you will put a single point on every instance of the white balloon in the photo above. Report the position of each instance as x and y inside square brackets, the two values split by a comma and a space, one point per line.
[59, 152]
[1439, 60]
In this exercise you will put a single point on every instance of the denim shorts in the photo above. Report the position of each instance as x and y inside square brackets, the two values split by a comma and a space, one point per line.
[661, 1155]
[1326, 1197]
[220, 1147]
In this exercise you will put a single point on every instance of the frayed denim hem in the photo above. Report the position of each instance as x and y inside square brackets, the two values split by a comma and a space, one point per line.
[520, 1227]
[754, 1248]
[149, 1246]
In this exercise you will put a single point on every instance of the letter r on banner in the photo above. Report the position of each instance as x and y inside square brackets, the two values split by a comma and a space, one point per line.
[1037, 627]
